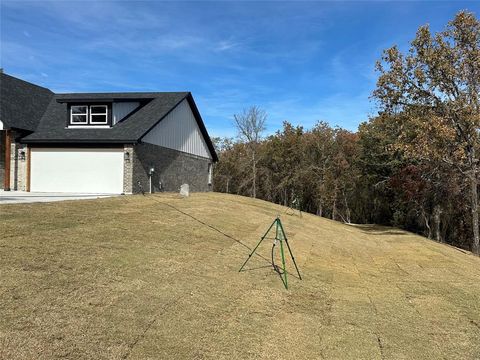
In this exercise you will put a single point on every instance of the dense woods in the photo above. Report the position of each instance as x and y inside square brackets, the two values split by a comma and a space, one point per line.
[415, 165]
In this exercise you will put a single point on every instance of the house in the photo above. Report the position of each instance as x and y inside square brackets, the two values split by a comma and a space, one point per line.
[108, 143]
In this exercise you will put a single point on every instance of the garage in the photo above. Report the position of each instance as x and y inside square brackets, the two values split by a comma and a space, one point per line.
[76, 170]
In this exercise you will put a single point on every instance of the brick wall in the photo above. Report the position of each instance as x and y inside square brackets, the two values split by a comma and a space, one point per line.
[172, 169]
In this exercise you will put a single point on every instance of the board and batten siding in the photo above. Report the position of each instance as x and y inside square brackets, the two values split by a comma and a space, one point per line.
[122, 109]
[179, 131]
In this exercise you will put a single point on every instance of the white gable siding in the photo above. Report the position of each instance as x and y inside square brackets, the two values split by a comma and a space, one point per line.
[179, 131]
[122, 109]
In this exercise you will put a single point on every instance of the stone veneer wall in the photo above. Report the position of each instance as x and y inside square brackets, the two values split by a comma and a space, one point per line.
[172, 169]
[128, 169]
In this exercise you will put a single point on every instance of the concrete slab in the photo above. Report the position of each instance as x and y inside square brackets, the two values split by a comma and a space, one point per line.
[19, 197]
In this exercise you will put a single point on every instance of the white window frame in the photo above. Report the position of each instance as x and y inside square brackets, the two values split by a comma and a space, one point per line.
[88, 126]
[104, 113]
[85, 113]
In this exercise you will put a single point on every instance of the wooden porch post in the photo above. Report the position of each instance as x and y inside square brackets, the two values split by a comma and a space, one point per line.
[8, 149]
[29, 154]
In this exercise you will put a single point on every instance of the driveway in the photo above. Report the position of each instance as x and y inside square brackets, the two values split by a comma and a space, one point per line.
[19, 197]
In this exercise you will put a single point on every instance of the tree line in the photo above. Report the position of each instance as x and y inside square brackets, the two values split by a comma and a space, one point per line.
[415, 165]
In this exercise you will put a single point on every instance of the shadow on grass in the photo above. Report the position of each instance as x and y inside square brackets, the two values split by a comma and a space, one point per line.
[227, 236]
[211, 227]
[379, 230]
[256, 268]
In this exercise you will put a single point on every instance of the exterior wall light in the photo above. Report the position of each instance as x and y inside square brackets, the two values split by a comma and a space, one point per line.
[126, 156]
[21, 155]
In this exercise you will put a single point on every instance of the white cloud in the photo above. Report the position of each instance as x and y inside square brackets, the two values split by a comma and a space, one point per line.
[226, 45]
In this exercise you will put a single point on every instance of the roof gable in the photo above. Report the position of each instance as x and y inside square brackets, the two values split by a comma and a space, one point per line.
[179, 130]
[22, 104]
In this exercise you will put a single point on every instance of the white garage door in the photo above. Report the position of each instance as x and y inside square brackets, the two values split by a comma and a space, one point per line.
[77, 170]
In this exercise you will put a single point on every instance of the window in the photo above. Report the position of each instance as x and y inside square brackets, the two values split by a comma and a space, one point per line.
[98, 114]
[79, 115]
[89, 115]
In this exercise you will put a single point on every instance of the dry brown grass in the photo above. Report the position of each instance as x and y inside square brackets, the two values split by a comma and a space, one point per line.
[131, 277]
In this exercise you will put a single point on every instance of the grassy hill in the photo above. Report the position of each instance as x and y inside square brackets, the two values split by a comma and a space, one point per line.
[138, 277]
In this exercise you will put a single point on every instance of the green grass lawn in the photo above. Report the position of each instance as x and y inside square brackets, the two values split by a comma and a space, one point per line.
[133, 278]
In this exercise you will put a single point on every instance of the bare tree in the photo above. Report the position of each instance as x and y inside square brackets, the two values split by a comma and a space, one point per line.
[250, 126]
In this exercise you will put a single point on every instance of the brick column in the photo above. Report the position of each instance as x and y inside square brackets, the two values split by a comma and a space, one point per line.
[18, 166]
[128, 169]
[22, 160]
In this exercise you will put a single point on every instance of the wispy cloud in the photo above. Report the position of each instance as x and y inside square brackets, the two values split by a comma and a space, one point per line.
[225, 45]
[301, 61]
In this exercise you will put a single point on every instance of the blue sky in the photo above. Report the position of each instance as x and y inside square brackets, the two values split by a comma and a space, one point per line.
[300, 61]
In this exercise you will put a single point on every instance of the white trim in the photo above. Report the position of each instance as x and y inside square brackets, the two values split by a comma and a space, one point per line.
[88, 117]
[1, 125]
[89, 127]
[104, 113]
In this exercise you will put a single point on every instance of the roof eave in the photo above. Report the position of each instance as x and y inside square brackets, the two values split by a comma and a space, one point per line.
[189, 97]
[79, 141]
[202, 127]
[86, 100]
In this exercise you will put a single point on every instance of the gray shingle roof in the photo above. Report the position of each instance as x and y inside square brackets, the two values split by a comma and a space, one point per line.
[52, 126]
[31, 107]
[22, 104]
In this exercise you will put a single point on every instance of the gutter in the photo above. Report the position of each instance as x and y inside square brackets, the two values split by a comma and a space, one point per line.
[79, 141]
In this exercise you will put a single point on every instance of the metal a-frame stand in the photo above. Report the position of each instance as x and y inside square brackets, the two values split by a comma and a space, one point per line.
[281, 237]
[294, 206]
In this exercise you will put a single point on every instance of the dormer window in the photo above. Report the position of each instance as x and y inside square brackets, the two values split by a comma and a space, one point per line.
[89, 115]
[79, 115]
[99, 115]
